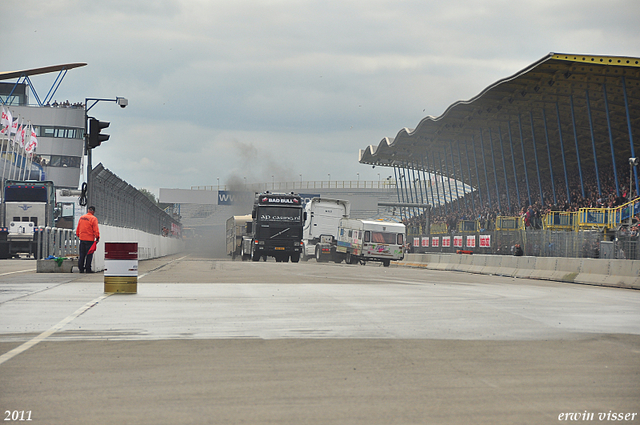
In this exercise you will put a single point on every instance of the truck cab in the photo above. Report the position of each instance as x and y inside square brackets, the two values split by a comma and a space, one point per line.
[276, 227]
[27, 207]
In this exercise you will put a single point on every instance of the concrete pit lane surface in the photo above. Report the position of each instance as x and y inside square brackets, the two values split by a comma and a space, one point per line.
[209, 340]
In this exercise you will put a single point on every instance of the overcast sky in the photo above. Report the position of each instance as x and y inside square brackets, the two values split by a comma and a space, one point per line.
[236, 89]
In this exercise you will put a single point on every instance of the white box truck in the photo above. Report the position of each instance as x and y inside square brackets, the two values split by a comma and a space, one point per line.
[365, 240]
[236, 230]
[321, 228]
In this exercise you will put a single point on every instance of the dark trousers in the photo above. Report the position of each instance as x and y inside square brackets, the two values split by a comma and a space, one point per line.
[84, 260]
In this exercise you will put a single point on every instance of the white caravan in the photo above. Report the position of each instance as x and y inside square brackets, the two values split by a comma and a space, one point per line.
[364, 240]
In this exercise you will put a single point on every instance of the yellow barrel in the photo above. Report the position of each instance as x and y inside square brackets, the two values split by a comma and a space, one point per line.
[121, 267]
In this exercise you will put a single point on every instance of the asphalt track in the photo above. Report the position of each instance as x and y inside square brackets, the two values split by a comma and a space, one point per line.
[214, 341]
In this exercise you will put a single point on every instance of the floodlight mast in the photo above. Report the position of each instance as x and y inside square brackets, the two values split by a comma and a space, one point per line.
[122, 102]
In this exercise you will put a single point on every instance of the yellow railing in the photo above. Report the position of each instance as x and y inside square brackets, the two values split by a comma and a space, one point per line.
[439, 229]
[622, 213]
[468, 226]
[509, 223]
[593, 218]
[560, 220]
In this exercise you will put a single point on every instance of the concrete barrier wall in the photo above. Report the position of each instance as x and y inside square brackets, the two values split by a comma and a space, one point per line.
[617, 273]
[149, 246]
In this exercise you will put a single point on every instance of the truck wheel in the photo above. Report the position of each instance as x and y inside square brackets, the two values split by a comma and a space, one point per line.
[386, 263]
[254, 256]
[348, 259]
[303, 254]
[319, 255]
[295, 258]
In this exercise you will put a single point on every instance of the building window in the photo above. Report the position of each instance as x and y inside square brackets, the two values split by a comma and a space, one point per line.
[59, 132]
[58, 161]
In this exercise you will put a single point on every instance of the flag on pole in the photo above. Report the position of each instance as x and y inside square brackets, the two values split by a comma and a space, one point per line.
[33, 141]
[20, 133]
[6, 121]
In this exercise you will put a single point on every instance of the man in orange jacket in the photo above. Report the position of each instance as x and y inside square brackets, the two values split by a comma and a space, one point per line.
[87, 232]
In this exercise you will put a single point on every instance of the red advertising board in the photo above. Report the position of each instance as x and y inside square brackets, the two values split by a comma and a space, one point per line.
[471, 241]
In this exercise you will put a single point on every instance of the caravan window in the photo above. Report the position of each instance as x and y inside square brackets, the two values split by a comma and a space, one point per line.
[383, 237]
[400, 239]
[367, 236]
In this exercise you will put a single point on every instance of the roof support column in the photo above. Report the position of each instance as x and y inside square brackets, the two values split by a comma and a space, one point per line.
[513, 160]
[406, 188]
[546, 135]
[575, 137]
[444, 194]
[475, 159]
[593, 142]
[613, 155]
[495, 170]
[435, 179]
[473, 195]
[464, 192]
[484, 163]
[417, 172]
[535, 155]
[412, 177]
[633, 155]
[446, 169]
[455, 178]
[395, 173]
[564, 162]
[504, 168]
[524, 161]
[433, 202]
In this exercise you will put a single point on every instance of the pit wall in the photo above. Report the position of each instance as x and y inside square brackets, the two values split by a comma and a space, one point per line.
[149, 246]
[603, 272]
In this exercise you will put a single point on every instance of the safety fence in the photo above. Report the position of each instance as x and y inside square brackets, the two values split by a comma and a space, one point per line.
[119, 204]
[621, 244]
[56, 242]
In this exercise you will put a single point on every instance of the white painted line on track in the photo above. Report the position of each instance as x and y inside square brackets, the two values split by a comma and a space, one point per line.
[17, 271]
[44, 335]
[24, 347]
[158, 268]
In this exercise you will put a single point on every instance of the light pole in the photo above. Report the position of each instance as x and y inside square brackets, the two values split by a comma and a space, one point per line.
[122, 102]
[632, 163]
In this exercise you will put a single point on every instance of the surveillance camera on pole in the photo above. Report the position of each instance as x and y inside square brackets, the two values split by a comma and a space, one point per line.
[634, 161]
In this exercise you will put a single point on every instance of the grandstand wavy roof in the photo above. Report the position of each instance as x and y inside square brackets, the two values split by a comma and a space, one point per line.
[563, 105]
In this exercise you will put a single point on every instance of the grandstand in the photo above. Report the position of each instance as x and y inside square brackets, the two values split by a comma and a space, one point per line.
[548, 149]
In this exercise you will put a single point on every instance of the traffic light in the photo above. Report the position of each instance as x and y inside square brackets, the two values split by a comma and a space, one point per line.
[95, 138]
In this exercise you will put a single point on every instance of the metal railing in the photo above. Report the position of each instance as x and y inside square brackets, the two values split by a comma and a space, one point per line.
[57, 242]
[304, 185]
[560, 220]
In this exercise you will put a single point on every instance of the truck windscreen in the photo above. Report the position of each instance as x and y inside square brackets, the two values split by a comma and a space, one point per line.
[280, 214]
[25, 194]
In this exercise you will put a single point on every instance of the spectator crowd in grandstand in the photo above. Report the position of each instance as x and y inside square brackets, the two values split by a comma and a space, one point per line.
[477, 205]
